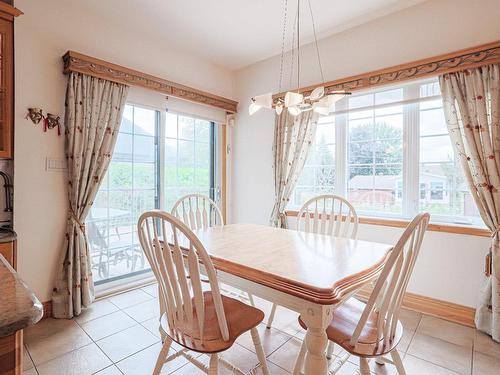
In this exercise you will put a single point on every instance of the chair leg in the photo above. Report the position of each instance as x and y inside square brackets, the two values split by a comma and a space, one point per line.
[299, 362]
[271, 316]
[162, 356]
[259, 350]
[250, 299]
[213, 368]
[380, 361]
[364, 367]
[329, 350]
[396, 358]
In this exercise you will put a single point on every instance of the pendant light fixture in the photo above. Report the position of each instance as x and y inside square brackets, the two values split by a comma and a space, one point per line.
[319, 100]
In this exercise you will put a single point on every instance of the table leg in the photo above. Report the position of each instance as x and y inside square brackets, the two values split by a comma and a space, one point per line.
[317, 319]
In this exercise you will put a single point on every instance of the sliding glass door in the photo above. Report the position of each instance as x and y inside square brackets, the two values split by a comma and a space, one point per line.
[158, 158]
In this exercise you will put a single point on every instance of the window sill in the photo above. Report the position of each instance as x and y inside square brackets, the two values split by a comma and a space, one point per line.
[400, 223]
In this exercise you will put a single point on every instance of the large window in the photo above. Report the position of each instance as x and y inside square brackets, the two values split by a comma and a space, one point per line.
[158, 157]
[358, 153]
[188, 157]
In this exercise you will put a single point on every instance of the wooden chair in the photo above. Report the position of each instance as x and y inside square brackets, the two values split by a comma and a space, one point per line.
[198, 211]
[201, 321]
[331, 215]
[372, 329]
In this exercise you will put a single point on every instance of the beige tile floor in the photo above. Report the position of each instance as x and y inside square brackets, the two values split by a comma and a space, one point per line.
[119, 336]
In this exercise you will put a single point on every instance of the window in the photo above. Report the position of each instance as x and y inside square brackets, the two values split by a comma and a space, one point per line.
[318, 175]
[358, 153]
[188, 157]
[158, 157]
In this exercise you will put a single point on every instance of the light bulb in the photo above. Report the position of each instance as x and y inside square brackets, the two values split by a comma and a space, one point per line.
[294, 111]
[252, 108]
[293, 98]
[279, 109]
[317, 93]
[265, 101]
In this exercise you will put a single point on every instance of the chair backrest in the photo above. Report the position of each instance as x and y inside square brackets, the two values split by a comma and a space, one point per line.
[197, 211]
[390, 288]
[328, 214]
[177, 271]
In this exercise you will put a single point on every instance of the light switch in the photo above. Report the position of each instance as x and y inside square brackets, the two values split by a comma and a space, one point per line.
[55, 164]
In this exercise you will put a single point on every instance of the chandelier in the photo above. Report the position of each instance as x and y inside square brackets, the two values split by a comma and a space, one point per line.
[320, 99]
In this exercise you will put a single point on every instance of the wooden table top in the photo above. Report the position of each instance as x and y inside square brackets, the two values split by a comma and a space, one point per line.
[314, 267]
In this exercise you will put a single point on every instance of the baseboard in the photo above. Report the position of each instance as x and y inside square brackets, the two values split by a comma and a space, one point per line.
[426, 305]
[434, 307]
[47, 309]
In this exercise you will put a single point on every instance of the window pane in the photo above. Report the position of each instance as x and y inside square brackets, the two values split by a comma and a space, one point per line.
[436, 149]
[187, 159]
[129, 188]
[144, 121]
[144, 175]
[128, 119]
[171, 125]
[389, 96]
[186, 128]
[202, 131]
[144, 149]
[443, 189]
[123, 148]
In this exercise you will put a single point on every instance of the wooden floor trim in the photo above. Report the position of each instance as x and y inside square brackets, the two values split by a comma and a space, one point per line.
[426, 305]
[401, 223]
[434, 307]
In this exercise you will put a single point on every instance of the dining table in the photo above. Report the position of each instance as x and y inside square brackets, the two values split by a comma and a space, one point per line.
[309, 273]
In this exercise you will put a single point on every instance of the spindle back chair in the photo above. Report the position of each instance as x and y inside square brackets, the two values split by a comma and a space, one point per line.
[197, 211]
[196, 318]
[373, 329]
[328, 214]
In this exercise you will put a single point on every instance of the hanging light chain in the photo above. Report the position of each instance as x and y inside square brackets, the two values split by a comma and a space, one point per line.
[298, 45]
[283, 37]
[316, 42]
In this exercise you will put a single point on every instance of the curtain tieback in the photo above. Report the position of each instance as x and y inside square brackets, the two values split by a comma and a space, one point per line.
[77, 220]
[496, 231]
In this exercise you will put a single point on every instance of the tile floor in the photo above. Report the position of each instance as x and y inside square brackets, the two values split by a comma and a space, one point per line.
[119, 336]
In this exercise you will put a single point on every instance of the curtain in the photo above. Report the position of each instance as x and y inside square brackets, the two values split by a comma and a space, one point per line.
[471, 105]
[94, 109]
[293, 137]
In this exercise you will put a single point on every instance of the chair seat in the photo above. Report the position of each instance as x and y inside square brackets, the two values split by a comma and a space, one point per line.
[240, 319]
[343, 324]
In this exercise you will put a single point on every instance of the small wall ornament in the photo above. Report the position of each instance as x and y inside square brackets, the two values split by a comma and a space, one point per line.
[50, 121]
[35, 115]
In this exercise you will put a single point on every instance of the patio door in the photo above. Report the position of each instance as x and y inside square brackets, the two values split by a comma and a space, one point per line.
[158, 158]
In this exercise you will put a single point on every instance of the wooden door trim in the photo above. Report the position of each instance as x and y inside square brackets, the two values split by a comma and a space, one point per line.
[77, 62]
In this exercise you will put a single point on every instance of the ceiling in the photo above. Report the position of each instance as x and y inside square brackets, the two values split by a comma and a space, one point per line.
[236, 33]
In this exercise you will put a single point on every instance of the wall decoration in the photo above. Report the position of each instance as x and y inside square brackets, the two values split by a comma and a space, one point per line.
[35, 115]
[51, 121]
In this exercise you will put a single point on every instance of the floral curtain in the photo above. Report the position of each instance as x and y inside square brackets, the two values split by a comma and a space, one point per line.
[293, 137]
[471, 103]
[94, 109]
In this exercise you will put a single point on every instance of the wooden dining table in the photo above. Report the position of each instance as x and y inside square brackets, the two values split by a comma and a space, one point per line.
[311, 274]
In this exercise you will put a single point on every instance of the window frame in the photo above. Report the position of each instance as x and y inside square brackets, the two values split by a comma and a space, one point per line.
[411, 186]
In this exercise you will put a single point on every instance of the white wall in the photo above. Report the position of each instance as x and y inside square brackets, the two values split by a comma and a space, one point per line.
[450, 266]
[42, 35]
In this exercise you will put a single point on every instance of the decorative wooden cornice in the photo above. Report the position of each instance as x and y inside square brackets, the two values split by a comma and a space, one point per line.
[433, 66]
[77, 62]
[8, 11]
